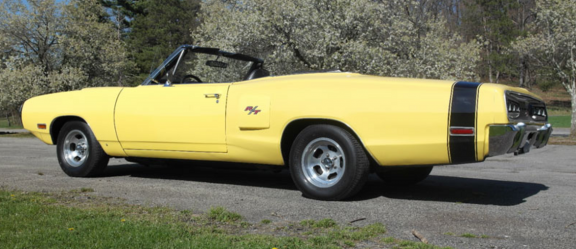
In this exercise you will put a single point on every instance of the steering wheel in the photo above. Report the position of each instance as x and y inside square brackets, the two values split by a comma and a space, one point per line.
[191, 76]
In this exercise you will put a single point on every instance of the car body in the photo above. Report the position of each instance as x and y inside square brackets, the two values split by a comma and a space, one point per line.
[396, 123]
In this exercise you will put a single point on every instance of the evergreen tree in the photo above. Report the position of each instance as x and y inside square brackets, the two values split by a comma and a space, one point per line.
[157, 28]
[491, 20]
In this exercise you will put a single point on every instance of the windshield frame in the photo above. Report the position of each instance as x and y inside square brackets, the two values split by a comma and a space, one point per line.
[257, 62]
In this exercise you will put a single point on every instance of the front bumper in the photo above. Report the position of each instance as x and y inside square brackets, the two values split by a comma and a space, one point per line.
[517, 138]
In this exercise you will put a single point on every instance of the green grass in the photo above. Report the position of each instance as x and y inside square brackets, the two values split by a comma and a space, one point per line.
[468, 235]
[307, 223]
[222, 215]
[560, 121]
[389, 240]
[558, 111]
[266, 221]
[18, 135]
[78, 219]
[4, 124]
[325, 223]
[405, 244]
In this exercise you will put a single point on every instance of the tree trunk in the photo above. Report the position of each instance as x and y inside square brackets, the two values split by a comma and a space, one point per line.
[573, 124]
[8, 119]
[490, 72]
[488, 52]
[18, 120]
[522, 70]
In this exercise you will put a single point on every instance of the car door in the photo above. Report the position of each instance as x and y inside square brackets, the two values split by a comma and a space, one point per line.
[178, 112]
[186, 118]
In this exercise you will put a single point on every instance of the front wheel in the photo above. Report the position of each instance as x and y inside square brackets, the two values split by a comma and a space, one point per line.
[407, 175]
[328, 163]
[79, 154]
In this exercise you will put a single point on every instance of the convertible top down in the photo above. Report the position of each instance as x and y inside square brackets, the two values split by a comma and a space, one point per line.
[330, 129]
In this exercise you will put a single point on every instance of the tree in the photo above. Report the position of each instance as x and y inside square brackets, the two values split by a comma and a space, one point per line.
[52, 46]
[156, 31]
[492, 21]
[393, 38]
[94, 46]
[32, 30]
[121, 13]
[552, 46]
[523, 17]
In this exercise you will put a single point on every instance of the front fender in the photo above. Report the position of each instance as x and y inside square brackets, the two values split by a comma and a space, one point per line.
[93, 105]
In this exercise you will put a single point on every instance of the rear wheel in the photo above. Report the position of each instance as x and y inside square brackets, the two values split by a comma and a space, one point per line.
[328, 163]
[404, 175]
[79, 154]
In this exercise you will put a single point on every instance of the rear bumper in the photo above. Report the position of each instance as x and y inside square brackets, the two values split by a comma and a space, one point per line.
[517, 138]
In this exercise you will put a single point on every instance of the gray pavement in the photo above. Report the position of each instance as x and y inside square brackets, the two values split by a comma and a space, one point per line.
[526, 201]
[561, 132]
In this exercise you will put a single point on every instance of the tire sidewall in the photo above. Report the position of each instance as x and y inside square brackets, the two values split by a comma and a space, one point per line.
[86, 168]
[343, 139]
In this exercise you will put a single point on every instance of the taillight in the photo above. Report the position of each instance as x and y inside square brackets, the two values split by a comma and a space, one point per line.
[513, 109]
[538, 111]
[462, 131]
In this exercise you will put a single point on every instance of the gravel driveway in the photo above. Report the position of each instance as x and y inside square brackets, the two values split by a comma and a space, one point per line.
[527, 201]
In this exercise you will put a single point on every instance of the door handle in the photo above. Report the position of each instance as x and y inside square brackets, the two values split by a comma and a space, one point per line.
[212, 95]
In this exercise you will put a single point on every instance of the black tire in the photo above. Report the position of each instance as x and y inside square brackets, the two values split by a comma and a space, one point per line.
[351, 169]
[73, 159]
[404, 175]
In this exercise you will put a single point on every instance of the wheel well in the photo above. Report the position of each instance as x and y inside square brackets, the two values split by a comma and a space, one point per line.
[57, 124]
[295, 127]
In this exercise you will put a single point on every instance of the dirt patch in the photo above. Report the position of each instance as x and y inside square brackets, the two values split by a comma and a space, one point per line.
[562, 141]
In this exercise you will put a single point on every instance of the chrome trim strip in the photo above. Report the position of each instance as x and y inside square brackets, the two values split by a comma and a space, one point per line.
[545, 127]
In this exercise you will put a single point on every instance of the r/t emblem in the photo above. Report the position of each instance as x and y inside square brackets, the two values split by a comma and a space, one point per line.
[252, 109]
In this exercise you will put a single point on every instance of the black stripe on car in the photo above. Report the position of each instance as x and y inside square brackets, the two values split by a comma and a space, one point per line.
[462, 117]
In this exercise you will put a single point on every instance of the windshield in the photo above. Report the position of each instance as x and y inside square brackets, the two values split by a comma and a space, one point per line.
[202, 65]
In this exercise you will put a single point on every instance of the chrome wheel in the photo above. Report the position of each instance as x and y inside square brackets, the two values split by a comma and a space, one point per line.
[76, 148]
[323, 162]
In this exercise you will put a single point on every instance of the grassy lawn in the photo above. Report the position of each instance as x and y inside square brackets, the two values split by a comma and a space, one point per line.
[558, 111]
[78, 219]
[4, 124]
[18, 135]
[560, 121]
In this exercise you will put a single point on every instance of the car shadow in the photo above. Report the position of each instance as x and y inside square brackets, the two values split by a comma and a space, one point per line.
[435, 188]
[455, 189]
[209, 174]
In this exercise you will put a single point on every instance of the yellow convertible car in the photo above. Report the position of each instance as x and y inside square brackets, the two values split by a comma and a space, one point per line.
[331, 129]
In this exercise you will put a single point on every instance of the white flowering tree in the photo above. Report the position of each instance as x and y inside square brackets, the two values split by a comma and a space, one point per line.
[392, 38]
[50, 46]
[552, 45]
